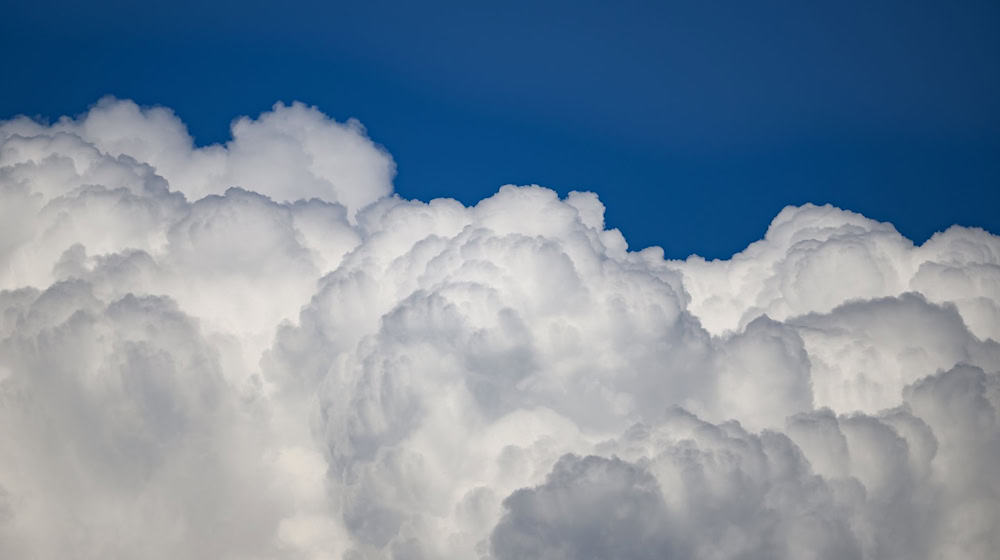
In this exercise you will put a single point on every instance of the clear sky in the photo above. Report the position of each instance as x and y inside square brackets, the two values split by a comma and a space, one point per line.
[694, 121]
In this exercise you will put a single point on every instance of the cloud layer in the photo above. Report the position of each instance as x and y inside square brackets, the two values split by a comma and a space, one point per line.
[256, 350]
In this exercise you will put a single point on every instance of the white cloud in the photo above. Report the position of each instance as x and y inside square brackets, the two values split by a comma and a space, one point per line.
[289, 153]
[814, 258]
[256, 350]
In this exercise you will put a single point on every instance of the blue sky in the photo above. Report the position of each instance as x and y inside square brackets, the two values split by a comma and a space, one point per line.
[694, 121]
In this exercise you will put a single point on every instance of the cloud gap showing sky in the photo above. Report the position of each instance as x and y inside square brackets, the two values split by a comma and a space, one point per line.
[257, 350]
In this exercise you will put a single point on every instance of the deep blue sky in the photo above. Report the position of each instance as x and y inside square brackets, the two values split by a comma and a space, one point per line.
[694, 121]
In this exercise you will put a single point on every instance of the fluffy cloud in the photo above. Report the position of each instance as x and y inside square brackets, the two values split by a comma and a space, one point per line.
[256, 350]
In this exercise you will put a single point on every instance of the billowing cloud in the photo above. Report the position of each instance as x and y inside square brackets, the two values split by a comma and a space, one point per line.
[256, 350]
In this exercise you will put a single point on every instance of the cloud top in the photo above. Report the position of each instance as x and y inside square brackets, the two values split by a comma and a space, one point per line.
[293, 152]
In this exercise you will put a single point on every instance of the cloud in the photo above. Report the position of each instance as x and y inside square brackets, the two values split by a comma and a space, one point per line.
[814, 258]
[257, 350]
[289, 153]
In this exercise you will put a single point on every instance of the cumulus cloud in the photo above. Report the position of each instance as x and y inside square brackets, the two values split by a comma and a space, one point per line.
[256, 350]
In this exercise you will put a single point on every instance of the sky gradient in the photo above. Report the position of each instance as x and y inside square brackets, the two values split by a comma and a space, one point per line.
[694, 121]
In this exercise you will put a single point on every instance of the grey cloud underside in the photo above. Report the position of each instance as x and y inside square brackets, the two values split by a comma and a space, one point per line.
[255, 350]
